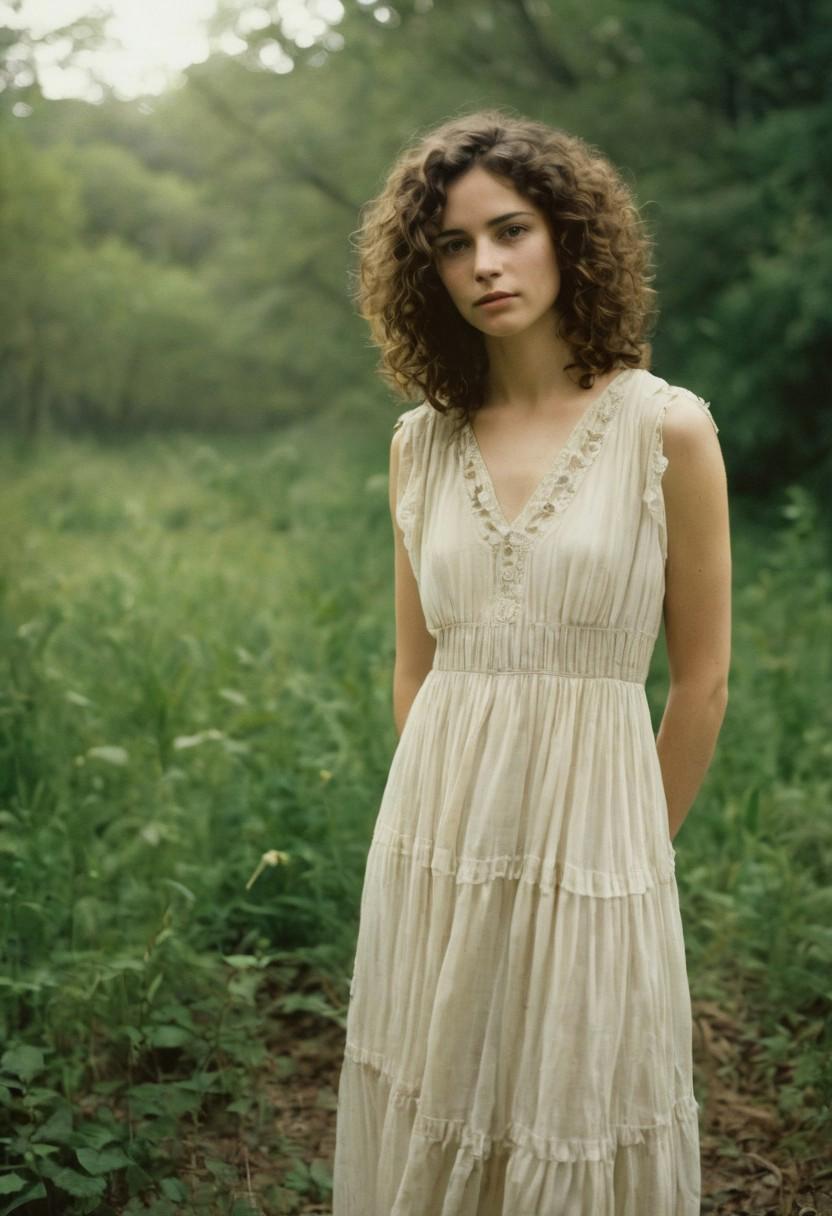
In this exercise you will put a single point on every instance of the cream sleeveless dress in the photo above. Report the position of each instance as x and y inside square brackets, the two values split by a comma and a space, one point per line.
[519, 1027]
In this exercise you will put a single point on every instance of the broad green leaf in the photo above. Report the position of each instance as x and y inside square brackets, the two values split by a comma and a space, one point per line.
[96, 1135]
[169, 1036]
[80, 1185]
[38, 1191]
[57, 1127]
[44, 1150]
[23, 1061]
[102, 1162]
[174, 1189]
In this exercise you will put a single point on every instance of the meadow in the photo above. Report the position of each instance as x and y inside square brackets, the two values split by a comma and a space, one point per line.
[195, 730]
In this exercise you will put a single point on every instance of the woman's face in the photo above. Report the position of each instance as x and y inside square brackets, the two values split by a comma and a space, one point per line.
[516, 255]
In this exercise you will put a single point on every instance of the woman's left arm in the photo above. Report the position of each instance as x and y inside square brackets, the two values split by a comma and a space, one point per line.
[697, 604]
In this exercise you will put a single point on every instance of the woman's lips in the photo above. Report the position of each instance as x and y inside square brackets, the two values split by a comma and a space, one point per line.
[495, 303]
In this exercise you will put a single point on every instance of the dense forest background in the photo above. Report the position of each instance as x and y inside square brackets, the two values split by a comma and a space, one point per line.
[184, 261]
[196, 611]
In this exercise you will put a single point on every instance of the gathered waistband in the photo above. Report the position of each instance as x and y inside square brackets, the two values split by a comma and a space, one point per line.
[578, 650]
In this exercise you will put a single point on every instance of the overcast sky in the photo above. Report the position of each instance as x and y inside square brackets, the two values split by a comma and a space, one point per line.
[158, 38]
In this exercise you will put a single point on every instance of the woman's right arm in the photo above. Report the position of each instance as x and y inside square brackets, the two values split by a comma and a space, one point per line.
[415, 646]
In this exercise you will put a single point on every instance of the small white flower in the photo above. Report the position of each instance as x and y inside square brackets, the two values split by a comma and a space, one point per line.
[273, 857]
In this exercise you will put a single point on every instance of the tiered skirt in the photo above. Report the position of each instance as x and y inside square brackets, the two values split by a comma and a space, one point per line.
[519, 1029]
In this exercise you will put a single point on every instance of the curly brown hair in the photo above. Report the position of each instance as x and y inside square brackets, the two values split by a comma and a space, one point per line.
[605, 304]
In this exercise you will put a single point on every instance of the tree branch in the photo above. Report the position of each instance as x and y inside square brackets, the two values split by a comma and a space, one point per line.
[553, 63]
[279, 156]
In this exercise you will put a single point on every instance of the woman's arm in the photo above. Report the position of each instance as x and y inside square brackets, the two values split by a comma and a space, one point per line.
[414, 645]
[697, 604]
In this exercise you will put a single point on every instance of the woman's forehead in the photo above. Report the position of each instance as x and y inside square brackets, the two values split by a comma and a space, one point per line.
[481, 199]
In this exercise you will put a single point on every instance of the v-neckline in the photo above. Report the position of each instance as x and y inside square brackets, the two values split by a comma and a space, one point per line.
[558, 462]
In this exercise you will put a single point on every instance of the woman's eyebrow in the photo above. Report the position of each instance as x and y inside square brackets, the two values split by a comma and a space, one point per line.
[498, 219]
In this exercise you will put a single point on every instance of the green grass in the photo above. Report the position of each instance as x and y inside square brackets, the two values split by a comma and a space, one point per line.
[197, 641]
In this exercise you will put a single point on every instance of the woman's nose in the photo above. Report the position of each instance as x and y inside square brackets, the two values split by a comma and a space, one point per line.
[486, 260]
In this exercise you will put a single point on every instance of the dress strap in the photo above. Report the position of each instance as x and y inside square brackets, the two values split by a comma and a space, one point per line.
[657, 462]
[410, 485]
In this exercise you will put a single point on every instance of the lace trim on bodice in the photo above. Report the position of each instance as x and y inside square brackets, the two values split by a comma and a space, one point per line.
[557, 488]
[553, 494]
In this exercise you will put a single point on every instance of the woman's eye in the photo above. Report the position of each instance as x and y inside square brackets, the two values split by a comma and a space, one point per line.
[448, 246]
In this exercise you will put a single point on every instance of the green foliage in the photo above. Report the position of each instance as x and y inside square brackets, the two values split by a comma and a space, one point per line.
[195, 728]
[194, 253]
[192, 681]
[160, 214]
[196, 633]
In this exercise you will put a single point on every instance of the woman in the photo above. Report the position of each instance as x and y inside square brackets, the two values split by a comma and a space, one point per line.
[519, 1029]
